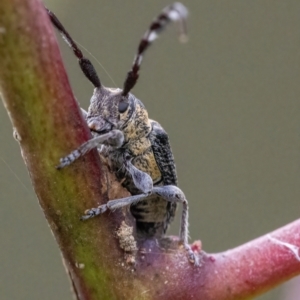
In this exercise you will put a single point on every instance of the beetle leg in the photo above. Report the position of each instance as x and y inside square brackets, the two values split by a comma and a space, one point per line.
[113, 138]
[169, 193]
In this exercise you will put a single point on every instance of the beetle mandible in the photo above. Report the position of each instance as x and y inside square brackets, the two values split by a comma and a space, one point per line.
[138, 147]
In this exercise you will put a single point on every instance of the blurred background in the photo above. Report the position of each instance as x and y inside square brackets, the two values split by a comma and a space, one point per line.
[229, 100]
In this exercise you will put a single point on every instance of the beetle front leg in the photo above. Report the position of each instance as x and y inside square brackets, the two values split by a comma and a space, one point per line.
[114, 138]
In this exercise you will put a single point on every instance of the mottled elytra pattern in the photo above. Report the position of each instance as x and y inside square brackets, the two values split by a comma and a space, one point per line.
[137, 147]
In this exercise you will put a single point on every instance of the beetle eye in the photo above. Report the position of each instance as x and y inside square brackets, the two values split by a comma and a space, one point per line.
[123, 106]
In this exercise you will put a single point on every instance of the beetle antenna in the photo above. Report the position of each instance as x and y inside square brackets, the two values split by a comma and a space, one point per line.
[174, 12]
[84, 63]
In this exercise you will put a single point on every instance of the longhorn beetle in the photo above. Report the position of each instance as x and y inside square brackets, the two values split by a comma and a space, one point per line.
[137, 146]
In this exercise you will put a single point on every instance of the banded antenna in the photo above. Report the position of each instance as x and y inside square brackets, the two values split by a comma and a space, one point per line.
[174, 12]
[84, 63]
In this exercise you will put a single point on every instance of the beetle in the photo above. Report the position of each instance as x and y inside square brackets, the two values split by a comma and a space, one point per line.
[137, 146]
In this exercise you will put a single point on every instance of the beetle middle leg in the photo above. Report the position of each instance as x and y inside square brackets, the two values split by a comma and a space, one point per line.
[169, 193]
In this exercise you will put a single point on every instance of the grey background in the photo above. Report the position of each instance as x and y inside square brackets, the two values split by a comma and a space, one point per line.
[229, 101]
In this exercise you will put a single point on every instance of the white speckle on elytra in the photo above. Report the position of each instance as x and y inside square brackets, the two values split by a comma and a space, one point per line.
[2, 30]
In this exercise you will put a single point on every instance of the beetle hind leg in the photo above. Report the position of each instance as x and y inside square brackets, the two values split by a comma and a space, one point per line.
[169, 193]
